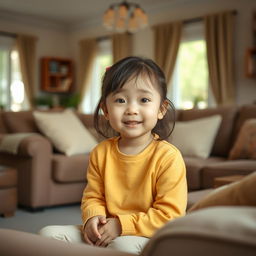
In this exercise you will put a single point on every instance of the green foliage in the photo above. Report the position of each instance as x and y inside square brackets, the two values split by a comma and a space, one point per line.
[70, 101]
[193, 71]
[65, 100]
[43, 101]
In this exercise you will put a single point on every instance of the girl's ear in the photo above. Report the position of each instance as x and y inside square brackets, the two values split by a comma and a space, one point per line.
[163, 109]
[105, 110]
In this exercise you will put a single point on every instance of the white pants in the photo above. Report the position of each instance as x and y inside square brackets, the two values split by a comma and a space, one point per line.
[73, 234]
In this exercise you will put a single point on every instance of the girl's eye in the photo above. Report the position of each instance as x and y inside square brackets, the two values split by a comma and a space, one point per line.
[120, 100]
[145, 100]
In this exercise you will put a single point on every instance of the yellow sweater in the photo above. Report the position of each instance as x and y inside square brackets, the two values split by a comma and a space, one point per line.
[144, 191]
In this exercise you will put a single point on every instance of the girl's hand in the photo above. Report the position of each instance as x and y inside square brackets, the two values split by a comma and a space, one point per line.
[109, 231]
[91, 229]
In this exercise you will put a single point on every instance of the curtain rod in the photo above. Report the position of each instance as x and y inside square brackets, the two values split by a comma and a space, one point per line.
[9, 34]
[102, 38]
[197, 19]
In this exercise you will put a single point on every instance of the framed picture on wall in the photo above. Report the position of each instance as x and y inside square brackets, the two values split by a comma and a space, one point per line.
[250, 63]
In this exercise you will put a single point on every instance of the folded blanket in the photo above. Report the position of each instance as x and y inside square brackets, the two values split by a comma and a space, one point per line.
[10, 143]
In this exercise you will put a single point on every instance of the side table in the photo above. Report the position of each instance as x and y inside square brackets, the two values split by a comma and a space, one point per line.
[224, 180]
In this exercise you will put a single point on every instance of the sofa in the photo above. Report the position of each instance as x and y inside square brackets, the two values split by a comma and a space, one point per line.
[47, 177]
[202, 171]
[222, 223]
[228, 231]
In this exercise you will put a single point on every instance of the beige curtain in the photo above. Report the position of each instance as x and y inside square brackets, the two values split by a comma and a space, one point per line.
[87, 52]
[167, 40]
[219, 30]
[121, 46]
[26, 46]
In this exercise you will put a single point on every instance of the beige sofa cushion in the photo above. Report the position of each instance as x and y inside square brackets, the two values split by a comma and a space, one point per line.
[238, 193]
[196, 137]
[223, 141]
[66, 132]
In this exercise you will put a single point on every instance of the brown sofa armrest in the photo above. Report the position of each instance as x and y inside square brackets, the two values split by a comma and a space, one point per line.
[228, 231]
[33, 162]
[33, 145]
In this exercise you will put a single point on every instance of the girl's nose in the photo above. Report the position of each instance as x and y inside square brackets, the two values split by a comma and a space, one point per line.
[131, 109]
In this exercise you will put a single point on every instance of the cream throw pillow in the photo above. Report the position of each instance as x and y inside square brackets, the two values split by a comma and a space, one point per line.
[65, 131]
[196, 137]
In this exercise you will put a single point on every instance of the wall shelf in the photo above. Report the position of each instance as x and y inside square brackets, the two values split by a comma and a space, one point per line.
[56, 74]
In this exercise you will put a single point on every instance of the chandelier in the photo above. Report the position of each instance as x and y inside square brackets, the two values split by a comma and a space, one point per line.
[125, 16]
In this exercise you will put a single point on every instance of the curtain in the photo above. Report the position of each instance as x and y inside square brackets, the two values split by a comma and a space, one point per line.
[219, 30]
[88, 50]
[26, 46]
[121, 46]
[167, 40]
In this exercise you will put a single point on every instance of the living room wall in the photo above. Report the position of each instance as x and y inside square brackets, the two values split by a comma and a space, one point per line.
[143, 40]
[55, 39]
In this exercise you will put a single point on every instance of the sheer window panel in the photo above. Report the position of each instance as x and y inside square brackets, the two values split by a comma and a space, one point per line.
[102, 61]
[190, 83]
[12, 94]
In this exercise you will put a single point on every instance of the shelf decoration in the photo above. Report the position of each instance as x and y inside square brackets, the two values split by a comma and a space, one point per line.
[57, 75]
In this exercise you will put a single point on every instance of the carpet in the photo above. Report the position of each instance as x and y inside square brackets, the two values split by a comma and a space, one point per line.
[32, 222]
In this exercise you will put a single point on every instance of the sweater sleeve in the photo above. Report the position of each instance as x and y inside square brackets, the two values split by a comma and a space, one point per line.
[93, 200]
[169, 202]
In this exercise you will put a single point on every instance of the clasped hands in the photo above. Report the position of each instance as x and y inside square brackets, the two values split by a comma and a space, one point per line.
[100, 231]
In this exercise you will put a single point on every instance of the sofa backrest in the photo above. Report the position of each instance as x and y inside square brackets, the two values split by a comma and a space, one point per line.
[223, 139]
[22, 121]
[3, 128]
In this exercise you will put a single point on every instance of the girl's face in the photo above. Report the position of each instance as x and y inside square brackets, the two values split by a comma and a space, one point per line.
[134, 110]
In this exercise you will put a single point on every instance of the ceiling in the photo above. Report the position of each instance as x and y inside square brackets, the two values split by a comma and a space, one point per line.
[71, 12]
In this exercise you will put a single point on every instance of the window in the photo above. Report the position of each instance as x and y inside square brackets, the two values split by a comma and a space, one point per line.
[102, 60]
[190, 85]
[12, 96]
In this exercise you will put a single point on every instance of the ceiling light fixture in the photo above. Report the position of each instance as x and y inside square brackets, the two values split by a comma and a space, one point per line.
[125, 17]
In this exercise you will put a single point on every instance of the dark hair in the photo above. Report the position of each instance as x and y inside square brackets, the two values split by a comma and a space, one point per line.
[117, 75]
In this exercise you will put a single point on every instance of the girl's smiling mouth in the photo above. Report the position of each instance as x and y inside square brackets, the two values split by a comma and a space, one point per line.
[132, 123]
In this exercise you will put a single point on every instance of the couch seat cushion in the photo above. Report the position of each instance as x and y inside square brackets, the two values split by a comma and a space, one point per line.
[194, 166]
[196, 196]
[227, 168]
[69, 168]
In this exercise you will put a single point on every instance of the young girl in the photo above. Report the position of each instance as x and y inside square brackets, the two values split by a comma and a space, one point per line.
[136, 180]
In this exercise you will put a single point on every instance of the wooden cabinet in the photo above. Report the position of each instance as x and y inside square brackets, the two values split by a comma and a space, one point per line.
[56, 74]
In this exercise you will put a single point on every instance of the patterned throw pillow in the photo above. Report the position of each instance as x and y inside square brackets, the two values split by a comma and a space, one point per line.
[245, 145]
